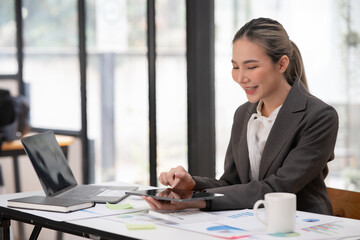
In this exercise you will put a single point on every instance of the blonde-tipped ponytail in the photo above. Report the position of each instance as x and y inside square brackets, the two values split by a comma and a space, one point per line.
[296, 69]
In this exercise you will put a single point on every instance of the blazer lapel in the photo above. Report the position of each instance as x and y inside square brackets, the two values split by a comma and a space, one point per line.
[243, 151]
[285, 124]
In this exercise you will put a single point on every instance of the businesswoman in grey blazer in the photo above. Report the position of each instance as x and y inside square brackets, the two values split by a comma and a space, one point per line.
[281, 139]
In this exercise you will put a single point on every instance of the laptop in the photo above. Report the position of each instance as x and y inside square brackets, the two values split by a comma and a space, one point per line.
[56, 177]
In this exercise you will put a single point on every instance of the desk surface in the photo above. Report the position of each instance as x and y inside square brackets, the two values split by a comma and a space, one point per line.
[16, 144]
[92, 227]
[105, 227]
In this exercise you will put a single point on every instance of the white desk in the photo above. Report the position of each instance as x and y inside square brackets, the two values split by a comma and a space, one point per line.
[161, 232]
[102, 227]
[92, 228]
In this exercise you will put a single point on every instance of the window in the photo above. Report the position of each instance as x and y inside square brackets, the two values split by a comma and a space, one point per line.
[8, 61]
[51, 66]
[118, 89]
[171, 84]
[116, 116]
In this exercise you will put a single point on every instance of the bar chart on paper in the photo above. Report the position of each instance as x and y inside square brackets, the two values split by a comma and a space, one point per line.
[242, 214]
[328, 229]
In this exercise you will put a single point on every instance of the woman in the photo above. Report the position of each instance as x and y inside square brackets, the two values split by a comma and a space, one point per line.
[281, 139]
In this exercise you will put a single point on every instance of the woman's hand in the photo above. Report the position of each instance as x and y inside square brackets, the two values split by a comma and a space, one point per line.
[177, 178]
[171, 205]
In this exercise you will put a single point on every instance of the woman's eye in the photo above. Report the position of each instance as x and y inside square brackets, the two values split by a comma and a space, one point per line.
[252, 67]
[235, 67]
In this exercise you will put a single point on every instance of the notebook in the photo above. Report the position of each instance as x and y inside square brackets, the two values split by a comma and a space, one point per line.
[50, 203]
[55, 174]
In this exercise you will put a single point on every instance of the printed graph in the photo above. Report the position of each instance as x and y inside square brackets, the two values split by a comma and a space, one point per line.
[225, 229]
[243, 214]
[328, 229]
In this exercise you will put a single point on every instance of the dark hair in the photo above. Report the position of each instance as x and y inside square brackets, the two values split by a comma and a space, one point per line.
[273, 37]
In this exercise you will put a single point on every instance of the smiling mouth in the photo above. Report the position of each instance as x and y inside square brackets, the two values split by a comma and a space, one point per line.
[250, 90]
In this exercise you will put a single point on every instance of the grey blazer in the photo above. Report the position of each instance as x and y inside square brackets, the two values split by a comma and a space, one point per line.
[294, 160]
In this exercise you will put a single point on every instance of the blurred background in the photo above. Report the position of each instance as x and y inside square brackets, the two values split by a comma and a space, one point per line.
[99, 88]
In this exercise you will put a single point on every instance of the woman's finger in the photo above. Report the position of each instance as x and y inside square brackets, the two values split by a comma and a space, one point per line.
[170, 176]
[156, 203]
[162, 179]
[176, 182]
[150, 203]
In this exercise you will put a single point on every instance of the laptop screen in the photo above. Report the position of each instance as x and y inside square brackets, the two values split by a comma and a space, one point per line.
[49, 162]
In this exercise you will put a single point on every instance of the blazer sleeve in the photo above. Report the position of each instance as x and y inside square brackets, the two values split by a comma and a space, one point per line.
[300, 161]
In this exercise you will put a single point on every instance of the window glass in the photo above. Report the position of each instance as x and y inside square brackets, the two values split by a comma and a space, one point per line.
[171, 85]
[8, 62]
[51, 65]
[330, 46]
[117, 88]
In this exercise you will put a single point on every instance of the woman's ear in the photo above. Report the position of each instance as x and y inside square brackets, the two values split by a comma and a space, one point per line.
[282, 64]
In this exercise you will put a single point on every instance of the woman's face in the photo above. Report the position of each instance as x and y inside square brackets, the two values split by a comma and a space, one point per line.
[254, 71]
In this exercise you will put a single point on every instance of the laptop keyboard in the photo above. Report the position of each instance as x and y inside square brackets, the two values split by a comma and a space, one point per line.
[83, 192]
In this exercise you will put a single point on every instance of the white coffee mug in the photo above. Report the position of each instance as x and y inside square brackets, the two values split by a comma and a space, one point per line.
[280, 212]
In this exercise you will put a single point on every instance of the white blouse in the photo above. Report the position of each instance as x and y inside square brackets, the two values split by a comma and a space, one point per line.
[258, 130]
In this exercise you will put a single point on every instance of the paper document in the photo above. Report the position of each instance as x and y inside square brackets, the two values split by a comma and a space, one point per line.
[243, 224]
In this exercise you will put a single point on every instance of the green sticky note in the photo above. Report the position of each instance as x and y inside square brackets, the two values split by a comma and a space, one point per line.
[118, 206]
[132, 226]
